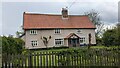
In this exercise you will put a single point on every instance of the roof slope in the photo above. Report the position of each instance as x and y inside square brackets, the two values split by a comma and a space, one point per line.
[39, 21]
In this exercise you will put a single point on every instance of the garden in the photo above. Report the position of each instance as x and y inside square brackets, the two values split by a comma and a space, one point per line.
[82, 56]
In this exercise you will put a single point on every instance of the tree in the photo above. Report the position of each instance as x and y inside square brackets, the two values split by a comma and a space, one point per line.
[109, 37]
[112, 36]
[118, 33]
[12, 45]
[96, 20]
[46, 40]
[20, 32]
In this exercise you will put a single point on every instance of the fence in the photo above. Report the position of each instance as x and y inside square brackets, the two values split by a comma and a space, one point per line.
[64, 58]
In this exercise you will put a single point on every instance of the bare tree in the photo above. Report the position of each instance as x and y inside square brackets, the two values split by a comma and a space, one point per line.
[46, 40]
[96, 20]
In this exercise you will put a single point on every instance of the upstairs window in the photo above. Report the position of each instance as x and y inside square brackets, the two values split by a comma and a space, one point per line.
[57, 31]
[59, 42]
[82, 40]
[33, 31]
[34, 43]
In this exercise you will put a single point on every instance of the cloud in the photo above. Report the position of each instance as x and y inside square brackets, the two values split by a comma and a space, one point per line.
[109, 12]
[60, 0]
[13, 11]
[119, 11]
[33, 0]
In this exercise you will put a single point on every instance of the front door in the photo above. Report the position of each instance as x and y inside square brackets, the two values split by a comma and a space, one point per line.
[74, 42]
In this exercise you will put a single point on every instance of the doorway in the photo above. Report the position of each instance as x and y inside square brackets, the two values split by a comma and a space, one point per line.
[73, 42]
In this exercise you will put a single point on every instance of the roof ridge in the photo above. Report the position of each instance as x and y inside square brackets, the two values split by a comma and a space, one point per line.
[50, 14]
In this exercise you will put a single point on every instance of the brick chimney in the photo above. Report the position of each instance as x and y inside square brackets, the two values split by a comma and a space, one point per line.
[64, 13]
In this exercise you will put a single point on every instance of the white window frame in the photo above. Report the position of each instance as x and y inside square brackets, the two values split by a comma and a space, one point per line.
[34, 43]
[82, 39]
[57, 31]
[33, 32]
[59, 39]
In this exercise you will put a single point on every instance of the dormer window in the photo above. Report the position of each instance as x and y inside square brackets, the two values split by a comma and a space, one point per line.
[57, 31]
[33, 32]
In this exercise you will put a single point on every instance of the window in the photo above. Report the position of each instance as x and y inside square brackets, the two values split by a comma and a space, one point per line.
[82, 40]
[57, 31]
[59, 42]
[33, 31]
[34, 43]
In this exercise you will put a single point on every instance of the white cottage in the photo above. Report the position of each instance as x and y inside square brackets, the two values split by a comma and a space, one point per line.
[58, 30]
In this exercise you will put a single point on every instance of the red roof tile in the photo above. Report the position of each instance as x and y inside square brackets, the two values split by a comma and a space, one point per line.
[38, 21]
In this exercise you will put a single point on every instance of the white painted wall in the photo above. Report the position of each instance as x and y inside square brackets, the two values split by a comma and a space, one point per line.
[64, 33]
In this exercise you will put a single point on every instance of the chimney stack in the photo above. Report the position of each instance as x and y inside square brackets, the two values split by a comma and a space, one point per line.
[64, 13]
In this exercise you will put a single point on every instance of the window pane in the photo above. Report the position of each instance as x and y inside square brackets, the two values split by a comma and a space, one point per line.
[58, 41]
[57, 31]
[82, 40]
[34, 43]
[33, 31]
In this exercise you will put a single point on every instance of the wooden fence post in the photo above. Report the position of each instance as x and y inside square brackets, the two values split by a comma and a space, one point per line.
[30, 60]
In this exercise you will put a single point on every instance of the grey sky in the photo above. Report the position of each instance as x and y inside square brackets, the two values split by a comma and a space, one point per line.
[119, 11]
[12, 11]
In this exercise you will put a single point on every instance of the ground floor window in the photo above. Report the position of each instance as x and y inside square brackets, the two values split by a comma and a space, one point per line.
[34, 43]
[59, 41]
[82, 40]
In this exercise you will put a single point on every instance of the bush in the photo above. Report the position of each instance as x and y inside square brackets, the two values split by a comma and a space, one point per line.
[12, 45]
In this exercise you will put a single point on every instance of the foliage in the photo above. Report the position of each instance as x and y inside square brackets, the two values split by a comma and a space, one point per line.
[20, 32]
[0, 45]
[99, 41]
[12, 45]
[109, 37]
[74, 48]
[86, 54]
[118, 33]
[68, 57]
[112, 36]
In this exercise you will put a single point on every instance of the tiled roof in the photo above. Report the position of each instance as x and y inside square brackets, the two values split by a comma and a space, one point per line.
[39, 21]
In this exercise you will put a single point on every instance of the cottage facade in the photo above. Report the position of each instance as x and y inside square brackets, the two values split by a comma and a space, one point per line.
[59, 30]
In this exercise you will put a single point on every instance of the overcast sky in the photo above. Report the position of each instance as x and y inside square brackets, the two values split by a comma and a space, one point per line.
[12, 11]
